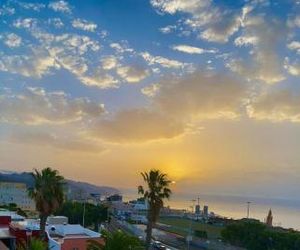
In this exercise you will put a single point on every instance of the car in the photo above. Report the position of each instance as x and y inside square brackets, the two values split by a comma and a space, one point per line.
[159, 245]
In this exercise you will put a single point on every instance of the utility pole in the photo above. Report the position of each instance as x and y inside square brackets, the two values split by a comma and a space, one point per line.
[248, 208]
[190, 237]
[83, 215]
[198, 212]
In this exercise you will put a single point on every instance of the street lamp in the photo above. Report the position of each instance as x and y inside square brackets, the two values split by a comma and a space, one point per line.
[83, 215]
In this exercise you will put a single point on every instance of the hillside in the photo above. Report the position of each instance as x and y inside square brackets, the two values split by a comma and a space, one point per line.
[76, 189]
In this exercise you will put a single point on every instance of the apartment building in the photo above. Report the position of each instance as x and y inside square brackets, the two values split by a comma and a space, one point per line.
[13, 192]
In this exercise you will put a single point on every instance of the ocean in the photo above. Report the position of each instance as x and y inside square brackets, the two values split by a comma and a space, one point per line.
[286, 213]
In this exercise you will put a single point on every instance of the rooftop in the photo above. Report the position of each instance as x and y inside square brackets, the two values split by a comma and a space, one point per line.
[5, 234]
[58, 233]
[14, 216]
[70, 231]
[30, 224]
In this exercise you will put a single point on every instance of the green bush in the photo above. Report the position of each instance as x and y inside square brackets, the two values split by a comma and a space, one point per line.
[34, 244]
[254, 235]
[201, 234]
[116, 241]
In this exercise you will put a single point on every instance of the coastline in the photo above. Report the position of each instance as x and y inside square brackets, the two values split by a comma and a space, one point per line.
[286, 212]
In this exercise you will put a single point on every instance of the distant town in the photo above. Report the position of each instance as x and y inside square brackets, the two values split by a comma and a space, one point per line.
[84, 219]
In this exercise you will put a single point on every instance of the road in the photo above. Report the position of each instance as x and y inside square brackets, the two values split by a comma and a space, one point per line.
[171, 240]
[139, 231]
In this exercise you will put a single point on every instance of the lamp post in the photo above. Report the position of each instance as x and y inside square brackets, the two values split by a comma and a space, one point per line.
[83, 215]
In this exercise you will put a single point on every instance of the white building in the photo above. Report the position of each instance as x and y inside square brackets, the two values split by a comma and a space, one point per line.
[68, 236]
[13, 215]
[140, 205]
[13, 192]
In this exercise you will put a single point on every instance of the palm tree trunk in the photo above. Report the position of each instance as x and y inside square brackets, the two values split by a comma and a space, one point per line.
[43, 220]
[149, 234]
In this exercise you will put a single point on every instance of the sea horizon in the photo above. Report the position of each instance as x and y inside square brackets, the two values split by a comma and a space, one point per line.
[286, 212]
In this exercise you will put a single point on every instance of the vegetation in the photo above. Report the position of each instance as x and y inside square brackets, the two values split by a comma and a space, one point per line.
[254, 235]
[94, 214]
[48, 194]
[157, 189]
[201, 234]
[181, 227]
[34, 244]
[13, 207]
[116, 241]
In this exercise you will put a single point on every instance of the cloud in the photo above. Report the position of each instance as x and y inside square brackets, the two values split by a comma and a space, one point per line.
[25, 23]
[132, 74]
[276, 106]
[211, 23]
[12, 40]
[172, 6]
[56, 141]
[222, 29]
[202, 96]
[72, 52]
[99, 79]
[177, 104]
[264, 63]
[84, 25]
[76, 43]
[34, 106]
[36, 65]
[162, 61]
[109, 62]
[60, 6]
[137, 126]
[245, 40]
[151, 90]
[7, 10]
[192, 50]
[294, 45]
[294, 22]
[292, 68]
[56, 22]
[31, 6]
[168, 29]
[121, 48]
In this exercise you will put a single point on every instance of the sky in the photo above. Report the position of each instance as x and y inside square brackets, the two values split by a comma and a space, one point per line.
[205, 90]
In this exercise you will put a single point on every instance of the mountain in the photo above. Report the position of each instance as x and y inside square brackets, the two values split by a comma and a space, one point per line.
[75, 189]
[78, 189]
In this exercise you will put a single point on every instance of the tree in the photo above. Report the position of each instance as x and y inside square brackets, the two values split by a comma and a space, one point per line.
[116, 241]
[48, 194]
[13, 207]
[154, 194]
[254, 235]
[94, 214]
[201, 234]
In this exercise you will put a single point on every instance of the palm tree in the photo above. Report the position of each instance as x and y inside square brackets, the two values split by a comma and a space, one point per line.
[48, 194]
[157, 190]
